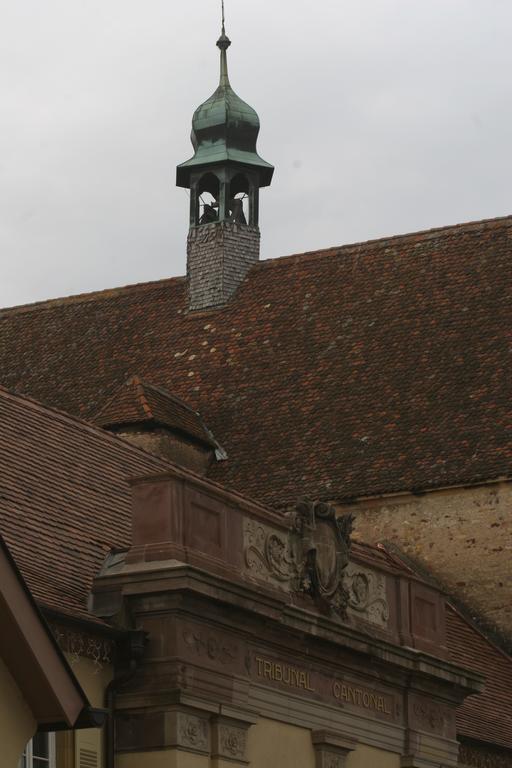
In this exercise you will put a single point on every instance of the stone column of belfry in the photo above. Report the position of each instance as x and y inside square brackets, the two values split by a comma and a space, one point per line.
[224, 178]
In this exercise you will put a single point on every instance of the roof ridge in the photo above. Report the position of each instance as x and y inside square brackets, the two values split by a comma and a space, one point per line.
[435, 232]
[139, 391]
[167, 393]
[83, 298]
[379, 242]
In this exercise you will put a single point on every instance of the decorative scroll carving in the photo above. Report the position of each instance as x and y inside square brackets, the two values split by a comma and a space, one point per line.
[267, 554]
[325, 543]
[208, 645]
[232, 742]
[82, 645]
[367, 594]
[192, 732]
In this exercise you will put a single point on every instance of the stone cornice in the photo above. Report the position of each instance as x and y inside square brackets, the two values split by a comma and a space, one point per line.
[166, 583]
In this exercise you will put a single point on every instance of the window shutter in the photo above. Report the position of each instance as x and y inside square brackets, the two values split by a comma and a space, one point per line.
[88, 758]
[88, 749]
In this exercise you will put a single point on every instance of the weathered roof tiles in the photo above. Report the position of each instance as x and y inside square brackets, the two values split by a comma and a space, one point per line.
[361, 370]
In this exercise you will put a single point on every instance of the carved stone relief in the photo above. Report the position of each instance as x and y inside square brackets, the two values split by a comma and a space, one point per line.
[310, 557]
[216, 649]
[331, 750]
[429, 716]
[192, 732]
[232, 742]
[322, 547]
[229, 740]
[331, 760]
[268, 555]
[367, 595]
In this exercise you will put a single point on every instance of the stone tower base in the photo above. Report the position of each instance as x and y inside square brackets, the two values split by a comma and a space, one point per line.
[219, 256]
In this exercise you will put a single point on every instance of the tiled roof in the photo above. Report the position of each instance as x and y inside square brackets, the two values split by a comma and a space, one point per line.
[366, 369]
[486, 717]
[137, 402]
[64, 499]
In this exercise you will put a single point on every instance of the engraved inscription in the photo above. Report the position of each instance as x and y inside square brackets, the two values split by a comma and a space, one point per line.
[361, 697]
[294, 677]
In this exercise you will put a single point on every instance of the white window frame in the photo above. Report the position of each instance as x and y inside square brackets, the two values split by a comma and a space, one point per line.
[28, 754]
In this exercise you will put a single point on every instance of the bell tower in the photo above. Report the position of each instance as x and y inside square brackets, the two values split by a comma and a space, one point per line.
[224, 178]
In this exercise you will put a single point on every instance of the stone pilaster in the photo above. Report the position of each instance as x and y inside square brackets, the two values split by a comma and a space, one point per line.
[230, 732]
[331, 749]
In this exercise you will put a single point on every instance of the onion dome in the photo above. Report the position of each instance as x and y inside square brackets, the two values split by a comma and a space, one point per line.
[225, 129]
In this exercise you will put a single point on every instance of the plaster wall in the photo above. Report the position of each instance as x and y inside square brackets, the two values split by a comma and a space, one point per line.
[166, 758]
[464, 536]
[363, 757]
[274, 743]
[270, 744]
[94, 680]
[17, 724]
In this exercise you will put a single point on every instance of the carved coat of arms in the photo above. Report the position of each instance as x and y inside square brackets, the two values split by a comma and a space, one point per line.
[311, 558]
[322, 546]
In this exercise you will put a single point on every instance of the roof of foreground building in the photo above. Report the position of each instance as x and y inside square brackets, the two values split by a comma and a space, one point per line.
[64, 499]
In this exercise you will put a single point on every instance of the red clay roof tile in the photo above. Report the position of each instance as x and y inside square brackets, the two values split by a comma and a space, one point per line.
[137, 402]
[486, 717]
[360, 370]
[64, 499]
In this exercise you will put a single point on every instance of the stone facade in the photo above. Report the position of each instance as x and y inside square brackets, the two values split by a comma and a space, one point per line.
[462, 535]
[218, 258]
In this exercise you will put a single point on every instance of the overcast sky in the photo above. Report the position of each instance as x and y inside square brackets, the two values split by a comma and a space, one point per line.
[381, 117]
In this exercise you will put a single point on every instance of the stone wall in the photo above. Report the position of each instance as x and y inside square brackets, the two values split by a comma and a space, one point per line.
[167, 445]
[463, 536]
[218, 258]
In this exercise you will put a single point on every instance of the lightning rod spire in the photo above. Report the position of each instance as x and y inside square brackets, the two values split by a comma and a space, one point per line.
[223, 43]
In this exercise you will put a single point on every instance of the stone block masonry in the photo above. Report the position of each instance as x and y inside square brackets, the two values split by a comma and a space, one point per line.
[219, 256]
[463, 536]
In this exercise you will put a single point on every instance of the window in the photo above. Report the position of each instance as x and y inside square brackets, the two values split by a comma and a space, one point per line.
[39, 752]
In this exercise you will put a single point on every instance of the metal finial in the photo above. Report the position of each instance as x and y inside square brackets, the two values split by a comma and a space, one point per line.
[223, 42]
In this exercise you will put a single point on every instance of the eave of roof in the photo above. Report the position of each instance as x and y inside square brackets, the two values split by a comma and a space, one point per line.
[32, 655]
